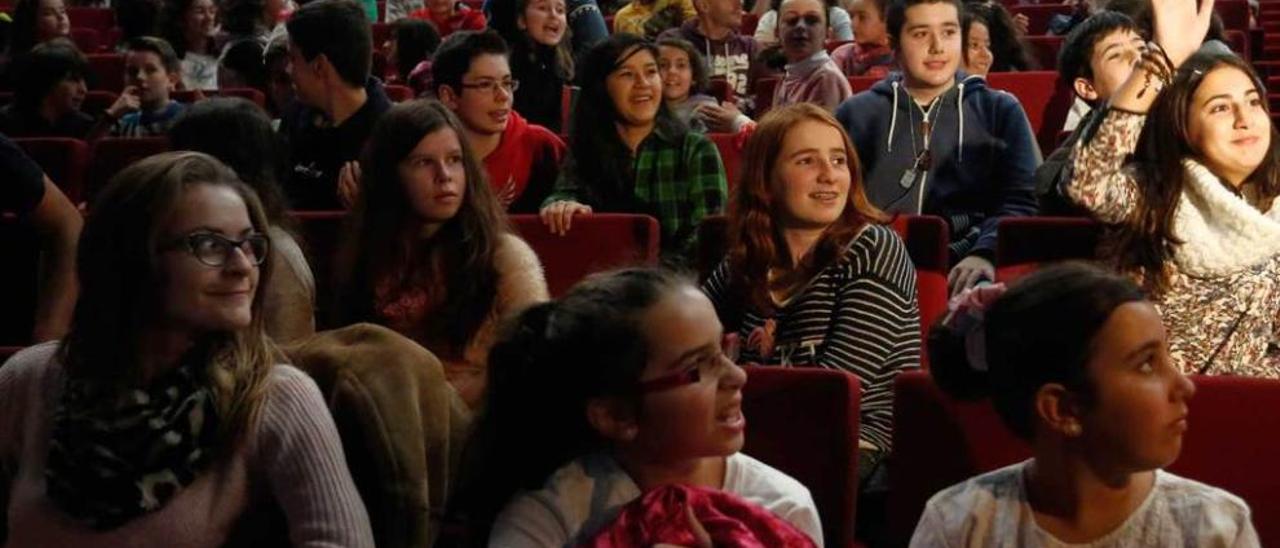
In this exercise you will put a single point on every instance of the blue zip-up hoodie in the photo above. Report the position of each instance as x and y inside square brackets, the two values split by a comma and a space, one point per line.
[984, 156]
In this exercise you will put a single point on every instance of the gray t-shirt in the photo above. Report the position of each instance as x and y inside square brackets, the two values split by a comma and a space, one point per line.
[991, 510]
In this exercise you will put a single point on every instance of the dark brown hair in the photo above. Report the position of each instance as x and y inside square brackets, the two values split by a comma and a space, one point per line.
[1146, 242]
[382, 240]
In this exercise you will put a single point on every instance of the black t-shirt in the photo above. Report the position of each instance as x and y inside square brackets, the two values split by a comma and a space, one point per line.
[317, 151]
[21, 179]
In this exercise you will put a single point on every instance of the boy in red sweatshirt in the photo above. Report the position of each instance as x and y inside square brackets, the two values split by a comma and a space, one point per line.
[473, 78]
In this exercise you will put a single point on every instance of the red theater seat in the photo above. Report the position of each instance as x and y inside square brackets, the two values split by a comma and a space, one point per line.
[860, 84]
[320, 233]
[1045, 103]
[927, 239]
[780, 405]
[720, 89]
[63, 160]
[381, 33]
[18, 280]
[398, 93]
[595, 242]
[764, 90]
[1022, 243]
[730, 155]
[99, 19]
[86, 40]
[112, 154]
[939, 442]
[1234, 13]
[108, 71]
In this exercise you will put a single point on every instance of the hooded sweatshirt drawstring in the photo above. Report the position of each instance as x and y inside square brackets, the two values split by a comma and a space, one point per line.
[960, 113]
[893, 121]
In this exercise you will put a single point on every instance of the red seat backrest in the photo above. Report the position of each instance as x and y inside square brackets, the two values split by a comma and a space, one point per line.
[320, 235]
[595, 242]
[1046, 106]
[927, 238]
[1239, 42]
[398, 93]
[108, 71]
[730, 156]
[749, 23]
[939, 442]
[764, 90]
[99, 19]
[782, 407]
[86, 39]
[112, 154]
[18, 280]
[860, 84]
[381, 33]
[720, 89]
[63, 160]
[1022, 243]
[1234, 13]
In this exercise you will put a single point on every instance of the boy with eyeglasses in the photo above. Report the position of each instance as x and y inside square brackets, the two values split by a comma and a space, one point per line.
[472, 77]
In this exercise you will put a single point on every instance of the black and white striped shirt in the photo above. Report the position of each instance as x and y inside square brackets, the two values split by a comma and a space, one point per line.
[858, 314]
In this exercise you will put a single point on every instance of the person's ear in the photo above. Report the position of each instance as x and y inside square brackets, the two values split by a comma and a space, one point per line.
[521, 24]
[1084, 89]
[447, 96]
[1059, 410]
[612, 419]
[175, 79]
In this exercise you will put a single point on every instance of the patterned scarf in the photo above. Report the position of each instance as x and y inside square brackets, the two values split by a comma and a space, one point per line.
[109, 464]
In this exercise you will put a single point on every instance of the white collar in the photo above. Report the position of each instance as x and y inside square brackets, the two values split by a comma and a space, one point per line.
[1221, 233]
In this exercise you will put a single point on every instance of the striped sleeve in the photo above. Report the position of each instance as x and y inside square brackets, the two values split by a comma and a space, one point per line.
[875, 328]
[715, 287]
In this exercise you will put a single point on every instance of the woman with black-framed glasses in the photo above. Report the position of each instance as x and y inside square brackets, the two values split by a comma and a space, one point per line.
[164, 416]
[624, 385]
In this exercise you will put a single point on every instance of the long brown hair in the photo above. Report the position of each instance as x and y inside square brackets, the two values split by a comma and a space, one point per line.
[378, 243]
[755, 239]
[119, 276]
[1145, 242]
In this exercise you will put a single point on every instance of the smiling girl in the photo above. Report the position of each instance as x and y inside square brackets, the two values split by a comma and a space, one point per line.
[1193, 217]
[628, 154]
[541, 57]
[430, 253]
[645, 396]
[812, 276]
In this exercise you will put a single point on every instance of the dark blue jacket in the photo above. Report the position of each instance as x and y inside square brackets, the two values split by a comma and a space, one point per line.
[983, 157]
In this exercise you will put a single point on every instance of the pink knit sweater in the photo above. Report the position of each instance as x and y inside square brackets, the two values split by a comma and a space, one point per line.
[292, 464]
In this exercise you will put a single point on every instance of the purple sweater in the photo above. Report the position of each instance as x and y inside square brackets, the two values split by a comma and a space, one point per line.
[292, 461]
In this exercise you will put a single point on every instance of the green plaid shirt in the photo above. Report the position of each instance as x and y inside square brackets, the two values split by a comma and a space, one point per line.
[678, 180]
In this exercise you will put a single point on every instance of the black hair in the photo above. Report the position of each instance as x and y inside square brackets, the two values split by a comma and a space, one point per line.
[159, 46]
[243, 17]
[896, 15]
[23, 29]
[238, 133]
[40, 70]
[701, 80]
[137, 18]
[1040, 331]
[504, 18]
[338, 30]
[547, 364]
[245, 58]
[381, 244]
[455, 55]
[1009, 51]
[1140, 12]
[416, 41]
[173, 22]
[599, 160]
[1077, 48]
